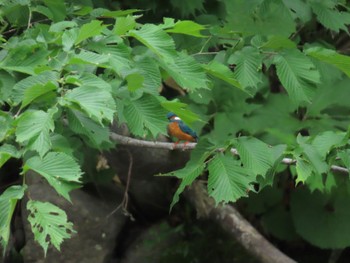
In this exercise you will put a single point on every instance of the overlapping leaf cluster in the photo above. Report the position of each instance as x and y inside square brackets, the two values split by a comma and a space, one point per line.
[69, 69]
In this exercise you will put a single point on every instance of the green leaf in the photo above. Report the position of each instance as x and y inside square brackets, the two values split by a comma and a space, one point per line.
[62, 25]
[157, 40]
[88, 30]
[135, 81]
[329, 16]
[57, 8]
[187, 72]
[278, 42]
[248, 66]
[81, 124]
[228, 181]
[298, 74]
[325, 141]
[97, 103]
[8, 201]
[24, 59]
[255, 155]
[313, 155]
[146, 114]
[49, 224]
[8, 151]
[124, 24]
[259, 17]
[222, 72]
[34, 127]
[187, 27]
[188, 8]
[149, 69]
[331, 57]
[59, 169]
[304, 170]
[7, 82]
[321, 220]
[35, 92]
[31, 82]
[187, 175]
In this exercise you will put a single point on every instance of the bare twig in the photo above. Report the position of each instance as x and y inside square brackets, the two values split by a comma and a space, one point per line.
[124, 140]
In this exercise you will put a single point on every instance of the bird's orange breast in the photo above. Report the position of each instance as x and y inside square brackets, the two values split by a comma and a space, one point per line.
[175, 131]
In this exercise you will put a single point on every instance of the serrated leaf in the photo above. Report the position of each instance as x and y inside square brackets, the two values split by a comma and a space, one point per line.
[187, 72]
[329, 16]
[88, 30]
[228, 181]
[313, 155]
[188, 8]
[81, 124]
[62, 25]
[124, 24]
[255, 155]
[222, 72]
[304, 170]
[97, 103]
[59, 169]
[329, 56]
[34, 127]
[57, 8]
[278, 42]
[149, 69]
[88, 79]
[68, 38]
[8, 201]
[187, 175]
[7, 82]
[157, 40]
[49, 224]
[187, 27]
[89, 57]
[34, 92]
[298, 74]
[325, 141]
[248, 65]
[134, 81]
[24, 59]
[38, 80]
[146, 114]
[8, 151]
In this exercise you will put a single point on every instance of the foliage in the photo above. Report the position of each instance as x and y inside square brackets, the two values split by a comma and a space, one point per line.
[267, 72]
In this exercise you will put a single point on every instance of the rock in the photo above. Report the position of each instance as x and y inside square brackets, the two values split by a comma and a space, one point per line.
[97, 232]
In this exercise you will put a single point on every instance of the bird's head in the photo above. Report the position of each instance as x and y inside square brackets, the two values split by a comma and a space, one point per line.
[172, 117]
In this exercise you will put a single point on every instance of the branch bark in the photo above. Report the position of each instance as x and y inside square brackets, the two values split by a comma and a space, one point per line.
[234, 224]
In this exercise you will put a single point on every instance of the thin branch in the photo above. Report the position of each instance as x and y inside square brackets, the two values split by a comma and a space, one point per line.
[124, 140]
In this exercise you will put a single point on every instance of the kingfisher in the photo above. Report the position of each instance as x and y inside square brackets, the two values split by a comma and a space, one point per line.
[178, 129]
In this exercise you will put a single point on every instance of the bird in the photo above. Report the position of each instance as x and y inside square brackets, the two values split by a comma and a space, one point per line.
[178, 129]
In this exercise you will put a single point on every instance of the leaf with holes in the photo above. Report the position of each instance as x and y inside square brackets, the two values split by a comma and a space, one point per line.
[49, 224]
[256, 155]
[228, 181]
